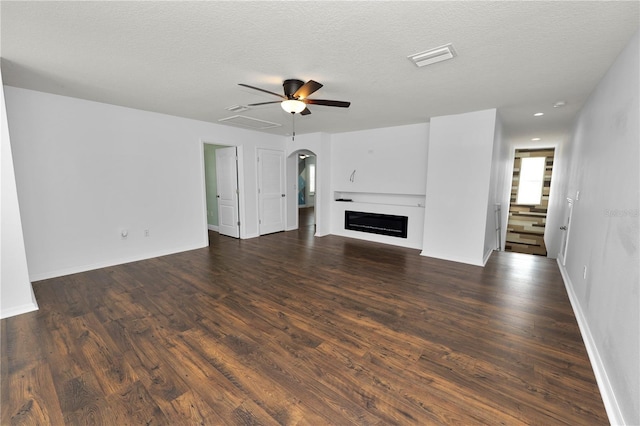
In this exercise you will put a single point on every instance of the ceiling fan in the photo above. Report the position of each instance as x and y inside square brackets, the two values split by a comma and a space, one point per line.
[295, 98]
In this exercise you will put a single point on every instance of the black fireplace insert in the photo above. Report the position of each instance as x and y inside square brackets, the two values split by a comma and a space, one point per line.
[376, 223]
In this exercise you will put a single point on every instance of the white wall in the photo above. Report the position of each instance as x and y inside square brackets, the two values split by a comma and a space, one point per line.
[605, 233]
[496, 186]
[504, 166]
[458, 186]
[389, 160]
[86, 170]
[390, 167]
[16, 294]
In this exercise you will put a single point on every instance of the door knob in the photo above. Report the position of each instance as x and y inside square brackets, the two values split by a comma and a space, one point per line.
[564, 228]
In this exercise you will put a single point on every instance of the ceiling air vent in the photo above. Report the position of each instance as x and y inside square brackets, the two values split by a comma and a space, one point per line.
[237, 108]
[248, 122]
[432, 56]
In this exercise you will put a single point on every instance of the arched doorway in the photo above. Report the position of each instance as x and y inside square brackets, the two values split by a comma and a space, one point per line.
[306, 190]
[303, 189]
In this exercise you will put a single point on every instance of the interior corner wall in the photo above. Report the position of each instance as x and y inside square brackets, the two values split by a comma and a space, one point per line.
[323, 186]
[85, 171]
[605, 233]
[496, 184]
[458, 186]
[16, 293]
[505, 165]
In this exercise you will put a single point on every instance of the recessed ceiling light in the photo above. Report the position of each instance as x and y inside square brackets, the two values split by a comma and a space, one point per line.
[559, 104]
[535, 139]
[538, 114]
[432, 56]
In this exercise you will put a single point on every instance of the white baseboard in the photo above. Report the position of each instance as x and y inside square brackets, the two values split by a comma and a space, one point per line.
[466, 260]
[604, 384]
[212, 228]
[486, 257]
[18, 310]
[110, 262]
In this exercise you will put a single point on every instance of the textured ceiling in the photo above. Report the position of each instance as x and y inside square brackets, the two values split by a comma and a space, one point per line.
[187, 58]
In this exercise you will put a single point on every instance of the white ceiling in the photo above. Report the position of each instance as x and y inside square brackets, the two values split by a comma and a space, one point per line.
[187, 58]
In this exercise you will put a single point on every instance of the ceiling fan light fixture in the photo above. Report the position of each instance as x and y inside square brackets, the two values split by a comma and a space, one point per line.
[293, 106]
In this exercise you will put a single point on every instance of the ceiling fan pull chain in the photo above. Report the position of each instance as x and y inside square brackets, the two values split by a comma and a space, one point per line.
[293, 120]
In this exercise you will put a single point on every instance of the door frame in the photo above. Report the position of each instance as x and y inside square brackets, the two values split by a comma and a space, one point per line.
[555, 207]
[227, 156]
[241, 187]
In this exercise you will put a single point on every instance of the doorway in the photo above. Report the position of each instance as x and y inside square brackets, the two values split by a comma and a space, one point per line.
[221, 189]
[529, 201]
[307, 215]
[306, 190]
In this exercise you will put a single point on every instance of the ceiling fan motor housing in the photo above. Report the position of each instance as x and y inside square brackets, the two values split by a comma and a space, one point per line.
[291, 86]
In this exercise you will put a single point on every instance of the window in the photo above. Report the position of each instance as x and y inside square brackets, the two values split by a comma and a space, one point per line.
[312, 178]
[531, 179]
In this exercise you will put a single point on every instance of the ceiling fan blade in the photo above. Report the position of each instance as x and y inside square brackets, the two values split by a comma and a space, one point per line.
[265, 103]
[308, 88]
[340, 104]
[305, 112]
[262, 90]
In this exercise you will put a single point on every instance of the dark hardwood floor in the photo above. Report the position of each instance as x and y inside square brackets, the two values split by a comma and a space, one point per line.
[291, 329]
[306, 216]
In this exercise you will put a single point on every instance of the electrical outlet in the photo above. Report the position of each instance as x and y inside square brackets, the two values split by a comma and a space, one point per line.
[146, 232]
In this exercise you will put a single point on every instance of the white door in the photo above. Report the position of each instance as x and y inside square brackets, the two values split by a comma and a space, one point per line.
[271, 190]
[227, 182]
[566, 228]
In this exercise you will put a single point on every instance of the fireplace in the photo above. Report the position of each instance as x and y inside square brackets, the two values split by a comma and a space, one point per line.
[376, 223]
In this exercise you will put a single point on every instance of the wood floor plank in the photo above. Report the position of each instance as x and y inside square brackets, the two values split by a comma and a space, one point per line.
[293, 329]
[102, 355]
[189, 408]
[282, 405]
[33, 398]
